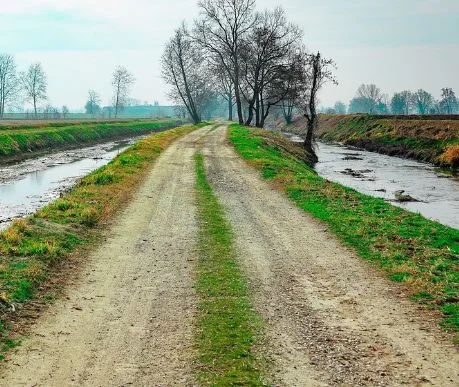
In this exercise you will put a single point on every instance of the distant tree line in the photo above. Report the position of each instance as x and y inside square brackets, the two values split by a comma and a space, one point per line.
[370, 99]
[31, 86]
[255, 62]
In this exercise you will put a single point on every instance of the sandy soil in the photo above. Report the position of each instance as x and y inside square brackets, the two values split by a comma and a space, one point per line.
[332, 320]
[129, 321]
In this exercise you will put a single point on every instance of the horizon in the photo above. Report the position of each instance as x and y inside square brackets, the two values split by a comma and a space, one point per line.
[411, 46]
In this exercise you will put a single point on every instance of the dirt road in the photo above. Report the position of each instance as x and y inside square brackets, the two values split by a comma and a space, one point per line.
[331, 320]
[129, 321]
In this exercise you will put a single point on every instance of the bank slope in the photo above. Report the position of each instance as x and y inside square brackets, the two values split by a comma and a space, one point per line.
[31, 248]
[18, 143]
[413, 250]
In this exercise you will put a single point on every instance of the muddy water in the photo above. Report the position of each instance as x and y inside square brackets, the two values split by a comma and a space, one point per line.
[378, 175]
[30, 185]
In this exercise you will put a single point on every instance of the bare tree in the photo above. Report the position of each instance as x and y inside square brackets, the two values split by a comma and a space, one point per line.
[266, 59]
[318, 72]
[122, 82]
[222, 31]
[224, 87]
[371, 94]
[449, 103]
[92, 105]
[422, 101]
[9, 82]
[65, 111]
[401, 102]
[35, 84]
[183, 69]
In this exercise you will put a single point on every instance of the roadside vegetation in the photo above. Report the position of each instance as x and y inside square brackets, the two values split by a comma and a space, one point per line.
[30, 248]
[431, 140]
[14, 143]
[412, 250]
[227, 325]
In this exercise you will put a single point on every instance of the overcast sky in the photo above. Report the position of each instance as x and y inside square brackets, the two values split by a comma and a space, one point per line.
[396, 44]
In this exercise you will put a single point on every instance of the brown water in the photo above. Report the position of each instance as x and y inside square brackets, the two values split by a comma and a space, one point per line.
[28, 186]
[381, 176]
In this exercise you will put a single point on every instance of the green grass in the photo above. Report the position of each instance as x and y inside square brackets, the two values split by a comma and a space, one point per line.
[15, 142]
[30, 248]
[227, 324]
[411, 249]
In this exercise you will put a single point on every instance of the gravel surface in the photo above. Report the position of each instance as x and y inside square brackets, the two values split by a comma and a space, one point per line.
[129, 320]
[332, 320]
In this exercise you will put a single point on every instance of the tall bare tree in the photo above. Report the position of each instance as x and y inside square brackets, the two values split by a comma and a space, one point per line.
[35, 83]
[9, 82]
[266, 59]
[224, 87]
[183, 69]
[122, 82]
[318, 72]
[222, 30]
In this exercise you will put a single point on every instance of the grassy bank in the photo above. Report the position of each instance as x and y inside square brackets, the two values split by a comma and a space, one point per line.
[227, 324]
[32, 247]
[411, 249]
[14, 143]
[432, 140]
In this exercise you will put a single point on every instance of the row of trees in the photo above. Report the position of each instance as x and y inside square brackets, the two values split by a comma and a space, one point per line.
[31, 86]
[122, 81]
[255, 61]
[28, 85]
[370, 99]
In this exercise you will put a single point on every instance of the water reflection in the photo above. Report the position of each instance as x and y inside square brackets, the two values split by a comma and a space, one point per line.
[29, 186]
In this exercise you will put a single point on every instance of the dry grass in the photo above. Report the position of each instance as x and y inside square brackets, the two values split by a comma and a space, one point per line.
[451, 156]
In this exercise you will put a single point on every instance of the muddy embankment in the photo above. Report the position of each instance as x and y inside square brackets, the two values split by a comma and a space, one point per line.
[19, 143]
[433, 139]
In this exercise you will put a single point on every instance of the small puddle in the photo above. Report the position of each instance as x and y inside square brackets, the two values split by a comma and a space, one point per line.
[436, 190]
[30, 185]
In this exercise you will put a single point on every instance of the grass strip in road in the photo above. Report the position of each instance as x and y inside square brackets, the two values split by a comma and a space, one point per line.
[414, 250]
[17, 142]
[227, 323]
[32, 247]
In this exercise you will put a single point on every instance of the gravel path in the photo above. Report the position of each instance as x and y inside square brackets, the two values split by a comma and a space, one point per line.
[129, 321]
[332, 320]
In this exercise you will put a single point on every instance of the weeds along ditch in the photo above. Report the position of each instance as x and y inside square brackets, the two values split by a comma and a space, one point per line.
[411, 249]
[16, 142]
[227, 325]
[427, 139]
[30, 248]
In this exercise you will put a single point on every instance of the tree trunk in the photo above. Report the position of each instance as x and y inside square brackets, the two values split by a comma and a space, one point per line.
[230, 107]
[308, 144]
[237, 94]
[35, 107]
